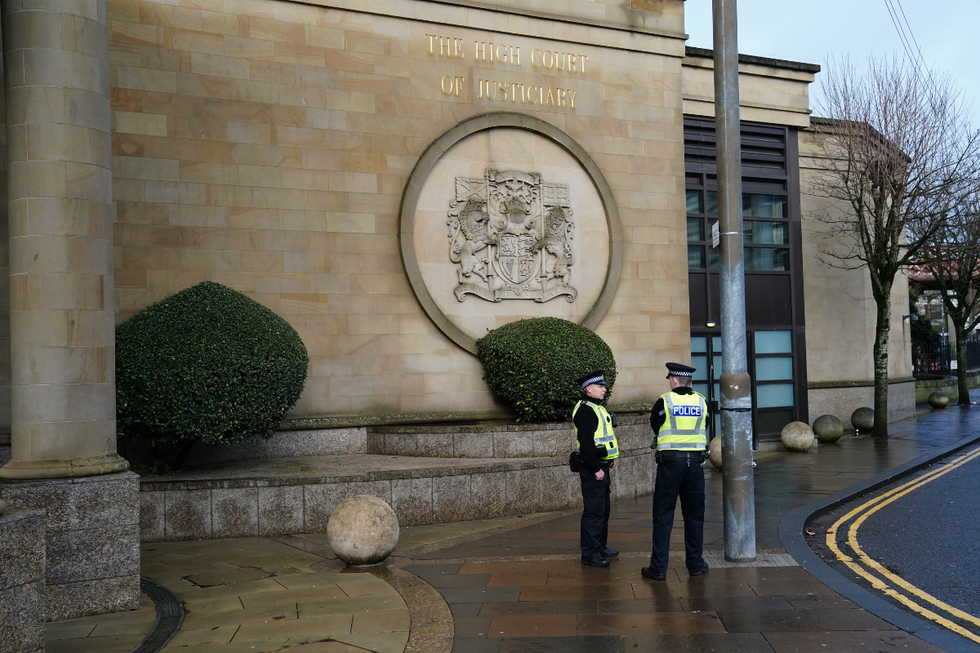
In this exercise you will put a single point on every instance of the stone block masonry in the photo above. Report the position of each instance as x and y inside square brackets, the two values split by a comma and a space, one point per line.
[23, 606]
[91, 542]
[267, 147]
[285, 496]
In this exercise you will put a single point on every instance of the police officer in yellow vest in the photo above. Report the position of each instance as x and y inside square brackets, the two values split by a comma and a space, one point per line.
[680, 421]
[599, 450]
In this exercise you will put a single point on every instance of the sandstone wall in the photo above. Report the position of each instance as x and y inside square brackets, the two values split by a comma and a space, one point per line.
[266, 145]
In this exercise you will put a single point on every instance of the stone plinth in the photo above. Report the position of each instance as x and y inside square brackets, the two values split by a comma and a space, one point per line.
[91, 541]
[501, 439]
[284, 444]
[23, 606]
[285, 496]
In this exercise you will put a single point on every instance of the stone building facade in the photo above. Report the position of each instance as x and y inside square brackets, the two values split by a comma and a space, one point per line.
[393, 178]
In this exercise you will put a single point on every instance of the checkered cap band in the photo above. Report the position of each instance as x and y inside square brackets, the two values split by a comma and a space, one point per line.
[675, 373]
[595, 379]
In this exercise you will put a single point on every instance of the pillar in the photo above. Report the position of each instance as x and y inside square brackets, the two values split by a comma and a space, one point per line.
[56, 73]
[62, 334]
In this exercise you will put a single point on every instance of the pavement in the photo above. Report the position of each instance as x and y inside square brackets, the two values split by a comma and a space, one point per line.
[516, 583]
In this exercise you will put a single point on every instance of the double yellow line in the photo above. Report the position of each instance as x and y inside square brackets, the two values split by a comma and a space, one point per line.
[883, 580]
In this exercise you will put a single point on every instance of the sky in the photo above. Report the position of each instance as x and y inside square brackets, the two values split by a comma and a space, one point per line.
[814, 32]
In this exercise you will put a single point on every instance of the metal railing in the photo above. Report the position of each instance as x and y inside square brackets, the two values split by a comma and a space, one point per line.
[973, 351]
[933, 361]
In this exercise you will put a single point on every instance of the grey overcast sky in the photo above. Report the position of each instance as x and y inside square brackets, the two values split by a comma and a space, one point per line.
[947, 31]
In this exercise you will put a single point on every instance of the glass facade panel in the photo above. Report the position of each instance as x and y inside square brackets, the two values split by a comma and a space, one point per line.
[774, 395]
[773, 342]
[711, 205]
[770, 247]
[700, 388]
[695, 257]
[766, 259]
[694, 230]
[694, 201]
[700, 364]
[774, 369]
[758, 232]
[763, 206]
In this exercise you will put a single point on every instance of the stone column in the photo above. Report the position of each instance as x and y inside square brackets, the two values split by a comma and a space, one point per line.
[62, 335]
[56, 72]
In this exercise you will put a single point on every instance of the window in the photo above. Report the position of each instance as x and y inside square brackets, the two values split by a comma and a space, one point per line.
[765, 242]
[774, 369]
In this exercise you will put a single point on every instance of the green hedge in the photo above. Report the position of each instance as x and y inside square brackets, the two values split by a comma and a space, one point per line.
[532, 365]
[206, 364]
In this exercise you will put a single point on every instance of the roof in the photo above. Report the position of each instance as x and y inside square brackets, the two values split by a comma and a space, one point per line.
[758, 61]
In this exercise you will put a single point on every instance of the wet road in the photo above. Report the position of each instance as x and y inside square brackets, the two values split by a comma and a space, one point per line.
[918, 541]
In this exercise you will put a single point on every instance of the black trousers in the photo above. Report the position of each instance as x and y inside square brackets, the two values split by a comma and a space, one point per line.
[595, 512]
[678, 474]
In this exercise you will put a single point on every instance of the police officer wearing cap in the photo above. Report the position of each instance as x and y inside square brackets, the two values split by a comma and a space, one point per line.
[680, 422]
[598, 449]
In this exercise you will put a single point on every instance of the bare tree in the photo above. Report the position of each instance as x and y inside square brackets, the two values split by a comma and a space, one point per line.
[953, 260]
[898, 146]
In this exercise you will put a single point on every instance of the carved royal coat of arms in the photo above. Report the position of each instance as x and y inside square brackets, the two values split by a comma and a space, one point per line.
[510, 235]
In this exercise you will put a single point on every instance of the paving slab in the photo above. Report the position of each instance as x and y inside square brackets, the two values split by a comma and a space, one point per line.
[516, 584]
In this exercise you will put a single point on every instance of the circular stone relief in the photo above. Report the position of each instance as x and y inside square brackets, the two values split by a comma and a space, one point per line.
[506, 217]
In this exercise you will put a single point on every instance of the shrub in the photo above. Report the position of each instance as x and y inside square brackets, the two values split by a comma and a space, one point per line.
[206, 364]
[532, 365]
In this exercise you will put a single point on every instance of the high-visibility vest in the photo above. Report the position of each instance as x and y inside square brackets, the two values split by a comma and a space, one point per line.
[686, 423]
[604, 434]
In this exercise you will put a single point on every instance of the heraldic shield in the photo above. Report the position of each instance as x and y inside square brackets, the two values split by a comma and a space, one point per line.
[510, 235]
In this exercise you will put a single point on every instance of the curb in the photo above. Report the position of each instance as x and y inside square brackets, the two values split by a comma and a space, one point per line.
[791, 536]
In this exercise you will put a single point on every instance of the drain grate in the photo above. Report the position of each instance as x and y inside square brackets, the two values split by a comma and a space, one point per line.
[170, 615]
[717, 561]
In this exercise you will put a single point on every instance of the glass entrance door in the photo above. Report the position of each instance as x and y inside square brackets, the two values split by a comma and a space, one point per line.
[772, 371]
[706, 359]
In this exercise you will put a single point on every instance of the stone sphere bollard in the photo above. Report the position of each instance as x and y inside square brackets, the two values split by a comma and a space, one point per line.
[828, 428]
[714, 452]
[797, 436]
[863, 419]
[938, 399]
[363, 531]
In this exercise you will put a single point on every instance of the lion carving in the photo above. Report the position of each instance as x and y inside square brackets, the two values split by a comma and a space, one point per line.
[468, 236]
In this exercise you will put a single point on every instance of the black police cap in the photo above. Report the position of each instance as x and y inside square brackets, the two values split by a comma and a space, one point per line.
[592, 377]
[679, 369]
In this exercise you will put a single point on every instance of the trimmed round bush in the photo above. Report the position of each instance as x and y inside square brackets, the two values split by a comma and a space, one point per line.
[532, 365]
[206, 364]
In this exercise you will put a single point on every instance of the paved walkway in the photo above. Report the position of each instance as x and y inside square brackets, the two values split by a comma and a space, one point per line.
[516, 584]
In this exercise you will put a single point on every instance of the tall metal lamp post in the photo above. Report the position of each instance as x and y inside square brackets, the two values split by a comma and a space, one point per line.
[736, 389]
